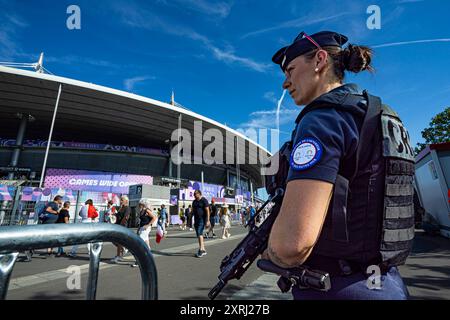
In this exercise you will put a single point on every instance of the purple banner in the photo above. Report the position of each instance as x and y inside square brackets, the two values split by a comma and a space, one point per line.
[46, 194]
[209, 191]
[173, 200]
[93, 180]
[7, 193]
[84, 145]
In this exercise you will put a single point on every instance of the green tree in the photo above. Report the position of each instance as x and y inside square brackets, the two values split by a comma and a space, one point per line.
[438, 130]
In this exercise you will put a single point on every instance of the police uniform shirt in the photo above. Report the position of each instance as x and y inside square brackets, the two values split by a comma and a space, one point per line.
[322, 138]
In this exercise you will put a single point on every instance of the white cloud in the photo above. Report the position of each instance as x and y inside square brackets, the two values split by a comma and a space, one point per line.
[270, 96]
[143, 19]
[266, 118]
[409, 1]
[131, 82]
[10, 25]
[393, 15]
[77, 60]
[16, 20]
[394, 44]
[220, 9]
[229, 57]
[296, 23]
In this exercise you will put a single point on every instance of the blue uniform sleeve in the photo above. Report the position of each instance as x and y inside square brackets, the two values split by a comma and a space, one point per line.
[322, 139]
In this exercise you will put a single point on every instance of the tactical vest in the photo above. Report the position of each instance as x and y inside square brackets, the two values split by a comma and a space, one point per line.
[370, 218]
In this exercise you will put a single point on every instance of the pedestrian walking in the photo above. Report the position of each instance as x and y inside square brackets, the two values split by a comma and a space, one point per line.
[201, 214]
[63, 217]
[183, 219]
[212, 219]
[188, 215]
[110, 213]
[163, 218]
[123, 214]
[243, 216]
[88, 213]
[225, 222]
[146, 219]
[50, 214]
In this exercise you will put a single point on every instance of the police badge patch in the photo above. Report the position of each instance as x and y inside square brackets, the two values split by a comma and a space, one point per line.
[306, 153]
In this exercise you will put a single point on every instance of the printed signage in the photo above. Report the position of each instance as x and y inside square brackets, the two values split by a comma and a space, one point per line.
[93, 180]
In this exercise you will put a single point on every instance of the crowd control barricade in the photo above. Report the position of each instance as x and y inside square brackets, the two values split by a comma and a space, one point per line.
[15, 239]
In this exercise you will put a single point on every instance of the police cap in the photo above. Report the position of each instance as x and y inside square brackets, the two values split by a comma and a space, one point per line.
[304, 43]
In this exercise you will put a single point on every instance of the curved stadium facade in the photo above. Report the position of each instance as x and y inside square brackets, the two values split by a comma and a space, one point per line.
[101, 129]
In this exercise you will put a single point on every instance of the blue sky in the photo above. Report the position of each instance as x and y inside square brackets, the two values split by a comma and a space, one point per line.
[216, 55]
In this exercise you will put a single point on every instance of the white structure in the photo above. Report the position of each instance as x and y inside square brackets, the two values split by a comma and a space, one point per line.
[433, 183]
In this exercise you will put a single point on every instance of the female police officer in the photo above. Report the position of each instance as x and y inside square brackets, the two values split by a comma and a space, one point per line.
[347, 203]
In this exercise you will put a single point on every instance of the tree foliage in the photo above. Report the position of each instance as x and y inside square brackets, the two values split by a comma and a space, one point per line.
[438, 130]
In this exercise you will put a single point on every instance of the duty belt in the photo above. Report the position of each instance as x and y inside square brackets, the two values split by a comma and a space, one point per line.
[341, 267]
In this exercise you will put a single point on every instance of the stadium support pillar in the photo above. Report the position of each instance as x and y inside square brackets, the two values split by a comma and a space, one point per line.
[180, 119]
[251, 192]
[50, 136]
[203, 180]
[77, 204]
[169, 158]
[170, 167]
[24, 119]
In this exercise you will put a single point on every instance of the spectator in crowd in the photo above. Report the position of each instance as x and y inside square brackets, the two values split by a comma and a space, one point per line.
[63, 217]
[251, 221]
[163, 218]
[146, 219]
[110, 213]
[252, 211]
[238, 215]
[50, 214]
[188, 215]
[243, 216]
[92, 212]
[122, 215]
[225, 222]
[200, 210]
[212, 219]
[88, 213]
[51, 211]
[183, 218]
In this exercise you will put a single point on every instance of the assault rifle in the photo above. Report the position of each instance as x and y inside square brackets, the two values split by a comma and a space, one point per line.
[236, 264]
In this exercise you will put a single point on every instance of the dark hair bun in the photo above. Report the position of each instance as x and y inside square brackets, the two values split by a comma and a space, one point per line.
[357, 58]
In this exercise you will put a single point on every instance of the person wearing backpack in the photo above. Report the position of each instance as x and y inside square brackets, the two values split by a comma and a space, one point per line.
[50, 213]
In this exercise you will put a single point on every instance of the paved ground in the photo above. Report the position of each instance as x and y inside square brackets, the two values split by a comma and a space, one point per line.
[427, 270]
[182, 276]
